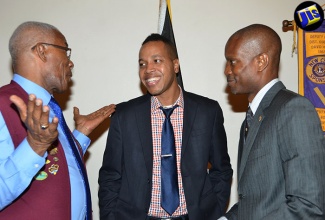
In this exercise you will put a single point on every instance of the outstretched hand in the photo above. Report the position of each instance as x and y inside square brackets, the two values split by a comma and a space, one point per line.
[87, 123]
[40, 132]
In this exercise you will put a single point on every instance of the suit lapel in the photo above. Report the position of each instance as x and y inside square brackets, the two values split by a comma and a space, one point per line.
[190, 110]
[143, 121]
[256, 123]
[247, 145]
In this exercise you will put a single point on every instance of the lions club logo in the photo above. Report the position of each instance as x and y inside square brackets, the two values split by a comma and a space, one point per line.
[315, 70]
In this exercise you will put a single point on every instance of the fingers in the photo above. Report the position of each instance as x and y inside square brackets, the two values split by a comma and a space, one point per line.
[107, 111]
[87, 123]
[21, 106]
[35, 113]
[40, 132]
[43, 117]
[38, 116]
[102, 113]
[76, 112]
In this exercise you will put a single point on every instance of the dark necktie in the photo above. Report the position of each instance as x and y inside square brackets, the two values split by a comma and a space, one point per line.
[169, 180]
[58, 112]
[249, 119]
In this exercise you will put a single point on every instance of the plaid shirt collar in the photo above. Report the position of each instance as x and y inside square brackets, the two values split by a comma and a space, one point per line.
[155, 104]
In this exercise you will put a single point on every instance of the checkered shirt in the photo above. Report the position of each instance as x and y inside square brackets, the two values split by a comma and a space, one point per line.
[157, 119]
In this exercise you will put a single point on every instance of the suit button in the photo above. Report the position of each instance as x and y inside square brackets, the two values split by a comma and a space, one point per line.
[241, 196]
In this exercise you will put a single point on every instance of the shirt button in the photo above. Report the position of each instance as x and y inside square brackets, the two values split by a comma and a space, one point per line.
[36, 165]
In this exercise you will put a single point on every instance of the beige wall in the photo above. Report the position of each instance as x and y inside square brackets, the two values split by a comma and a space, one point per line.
[105, 37]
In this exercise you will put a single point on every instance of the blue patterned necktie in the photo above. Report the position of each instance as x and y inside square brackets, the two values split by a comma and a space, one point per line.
[58, 112]
[169, 180]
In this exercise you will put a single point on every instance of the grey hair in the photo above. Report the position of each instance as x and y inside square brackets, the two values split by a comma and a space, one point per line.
[27, 35]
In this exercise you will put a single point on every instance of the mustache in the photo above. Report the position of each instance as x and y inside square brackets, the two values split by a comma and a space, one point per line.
[230, 78]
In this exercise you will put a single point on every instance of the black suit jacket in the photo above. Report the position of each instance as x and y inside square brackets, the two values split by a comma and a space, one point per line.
[126, 174]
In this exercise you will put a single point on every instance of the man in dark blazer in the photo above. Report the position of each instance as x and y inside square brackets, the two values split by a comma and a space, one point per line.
[281, 161]
[130, 177]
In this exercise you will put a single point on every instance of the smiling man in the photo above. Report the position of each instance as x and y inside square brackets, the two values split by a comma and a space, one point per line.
[140, 179]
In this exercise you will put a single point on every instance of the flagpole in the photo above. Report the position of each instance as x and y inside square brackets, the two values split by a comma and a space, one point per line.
[162, 15]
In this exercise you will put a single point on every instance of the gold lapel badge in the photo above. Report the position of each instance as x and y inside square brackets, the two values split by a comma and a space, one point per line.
[53, 169]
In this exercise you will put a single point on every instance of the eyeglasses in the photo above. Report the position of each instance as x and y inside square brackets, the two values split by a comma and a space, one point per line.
[67, 49]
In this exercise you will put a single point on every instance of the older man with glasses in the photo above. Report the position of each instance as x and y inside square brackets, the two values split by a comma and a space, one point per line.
[42, 175]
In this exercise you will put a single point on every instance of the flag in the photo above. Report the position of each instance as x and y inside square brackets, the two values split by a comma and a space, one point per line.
[165, 28]
[311, 65]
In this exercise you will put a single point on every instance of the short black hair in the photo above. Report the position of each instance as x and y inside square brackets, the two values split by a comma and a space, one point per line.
[170, 45]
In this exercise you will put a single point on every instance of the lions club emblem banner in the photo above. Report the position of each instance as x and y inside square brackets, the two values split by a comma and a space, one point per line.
[311, 61]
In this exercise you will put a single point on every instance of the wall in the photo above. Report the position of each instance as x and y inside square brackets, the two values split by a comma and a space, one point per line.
[105, 37]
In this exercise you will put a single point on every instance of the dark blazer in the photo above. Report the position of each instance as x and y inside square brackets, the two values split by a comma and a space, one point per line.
[125, 178]
[282, 168]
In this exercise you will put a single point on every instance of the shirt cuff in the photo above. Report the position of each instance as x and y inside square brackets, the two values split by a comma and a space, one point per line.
[25, 158]
[83, 140]
[222, 218]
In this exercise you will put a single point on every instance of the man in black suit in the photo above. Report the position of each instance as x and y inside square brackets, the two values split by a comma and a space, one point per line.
[130, 177]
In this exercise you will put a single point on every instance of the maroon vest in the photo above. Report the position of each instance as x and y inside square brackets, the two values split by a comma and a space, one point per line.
[48, 195]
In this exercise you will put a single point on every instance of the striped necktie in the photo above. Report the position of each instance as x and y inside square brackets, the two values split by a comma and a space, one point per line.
[249, 119]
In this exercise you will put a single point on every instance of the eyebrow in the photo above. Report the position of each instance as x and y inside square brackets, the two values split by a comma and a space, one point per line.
[153, 56]
[157, 55]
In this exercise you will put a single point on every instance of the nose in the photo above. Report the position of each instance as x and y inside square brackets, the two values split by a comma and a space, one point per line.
[150, 68]
[71, 64]
[227, 69]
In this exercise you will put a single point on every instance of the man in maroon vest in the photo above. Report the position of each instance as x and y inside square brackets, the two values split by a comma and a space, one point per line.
[41, 171]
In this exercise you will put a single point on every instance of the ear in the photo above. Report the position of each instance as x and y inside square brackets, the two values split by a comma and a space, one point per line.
[262, 61]
[40, 51]
[176, 65]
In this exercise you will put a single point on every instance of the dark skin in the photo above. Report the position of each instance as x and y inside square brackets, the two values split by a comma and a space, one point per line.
[250, 64]
[157, 72]
[34, 115]
[50, 68]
